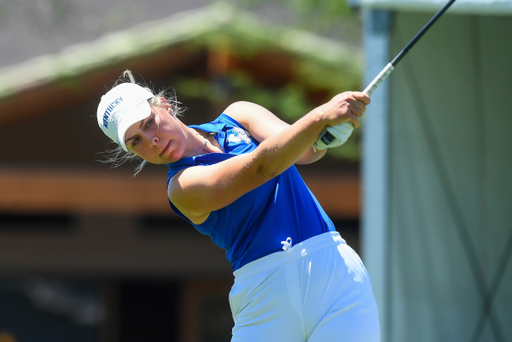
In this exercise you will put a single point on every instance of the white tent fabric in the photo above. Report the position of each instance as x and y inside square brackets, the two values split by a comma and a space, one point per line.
[449, 230]
[496, 7]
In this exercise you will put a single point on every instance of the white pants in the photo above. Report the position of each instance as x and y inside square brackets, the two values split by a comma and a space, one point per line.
[316, 291]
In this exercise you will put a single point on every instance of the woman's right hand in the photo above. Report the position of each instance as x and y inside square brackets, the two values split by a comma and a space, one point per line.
[348, 106]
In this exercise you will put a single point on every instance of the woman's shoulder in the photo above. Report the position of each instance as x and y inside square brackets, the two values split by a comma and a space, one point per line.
[229, 120]
[221, 123]
[242, 112]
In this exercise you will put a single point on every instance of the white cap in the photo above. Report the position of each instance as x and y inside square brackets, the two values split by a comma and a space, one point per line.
[121, 107]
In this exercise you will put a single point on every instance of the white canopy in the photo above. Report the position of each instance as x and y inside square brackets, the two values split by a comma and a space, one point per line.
[437, 160]
[495, 7]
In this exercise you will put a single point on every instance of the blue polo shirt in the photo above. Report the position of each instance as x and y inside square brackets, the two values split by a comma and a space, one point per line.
[254, 225]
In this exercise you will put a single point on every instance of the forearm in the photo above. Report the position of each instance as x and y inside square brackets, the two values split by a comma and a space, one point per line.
[262, 124]
[286, 148]
[291, 145]
[311, 156]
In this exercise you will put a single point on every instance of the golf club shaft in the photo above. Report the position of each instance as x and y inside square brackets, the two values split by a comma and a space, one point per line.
[328, 137]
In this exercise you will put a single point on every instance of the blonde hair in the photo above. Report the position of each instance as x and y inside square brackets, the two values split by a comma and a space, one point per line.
[117, 156]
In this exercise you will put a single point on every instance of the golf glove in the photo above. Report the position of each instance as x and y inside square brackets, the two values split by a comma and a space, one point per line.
[340, 132]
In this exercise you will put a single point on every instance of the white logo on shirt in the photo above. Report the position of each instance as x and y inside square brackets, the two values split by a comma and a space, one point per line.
[239, 135]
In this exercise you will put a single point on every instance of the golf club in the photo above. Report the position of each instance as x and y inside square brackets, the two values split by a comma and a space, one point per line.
[327, 137]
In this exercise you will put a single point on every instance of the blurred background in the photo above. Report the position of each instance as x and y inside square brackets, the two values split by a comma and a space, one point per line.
[421, 191]
[89, 253]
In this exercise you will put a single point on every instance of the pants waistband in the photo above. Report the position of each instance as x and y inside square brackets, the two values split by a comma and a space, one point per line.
[293, 253]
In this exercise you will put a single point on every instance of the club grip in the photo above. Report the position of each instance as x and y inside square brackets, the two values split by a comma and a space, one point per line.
[379, 79]
[327, 137]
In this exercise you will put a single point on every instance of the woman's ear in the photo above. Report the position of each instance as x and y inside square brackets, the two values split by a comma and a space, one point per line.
[165, 104]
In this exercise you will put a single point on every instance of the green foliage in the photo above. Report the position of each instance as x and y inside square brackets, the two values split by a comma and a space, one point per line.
[289, 102]
[336, 78]
[315, 15]
[322, 14]
[318, 66]
[329, 11]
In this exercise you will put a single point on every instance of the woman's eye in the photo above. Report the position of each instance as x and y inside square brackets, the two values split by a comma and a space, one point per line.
[148, 124]
[135, 141]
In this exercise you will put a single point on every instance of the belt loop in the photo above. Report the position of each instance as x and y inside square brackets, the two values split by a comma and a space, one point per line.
[286, 244]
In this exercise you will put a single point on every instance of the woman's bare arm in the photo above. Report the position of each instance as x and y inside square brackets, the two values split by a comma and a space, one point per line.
[262, 124]
[199, 190]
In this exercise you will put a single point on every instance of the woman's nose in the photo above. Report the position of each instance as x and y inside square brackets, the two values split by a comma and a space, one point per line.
[154, 141]
[150, 139]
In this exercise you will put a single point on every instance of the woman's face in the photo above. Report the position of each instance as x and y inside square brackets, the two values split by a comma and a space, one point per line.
[158, 139]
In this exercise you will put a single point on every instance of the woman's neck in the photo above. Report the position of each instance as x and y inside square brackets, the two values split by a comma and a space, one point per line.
[208, 143]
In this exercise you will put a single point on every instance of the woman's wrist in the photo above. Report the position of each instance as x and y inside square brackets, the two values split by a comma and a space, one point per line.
[320, 117]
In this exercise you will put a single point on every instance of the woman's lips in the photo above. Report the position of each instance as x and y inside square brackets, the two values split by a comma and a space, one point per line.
[166, 148]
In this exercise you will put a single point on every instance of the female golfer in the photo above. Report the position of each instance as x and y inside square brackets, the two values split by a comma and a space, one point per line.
[234, 179]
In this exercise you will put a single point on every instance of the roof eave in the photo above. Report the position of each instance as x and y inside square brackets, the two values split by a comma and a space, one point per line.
[151, 37]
